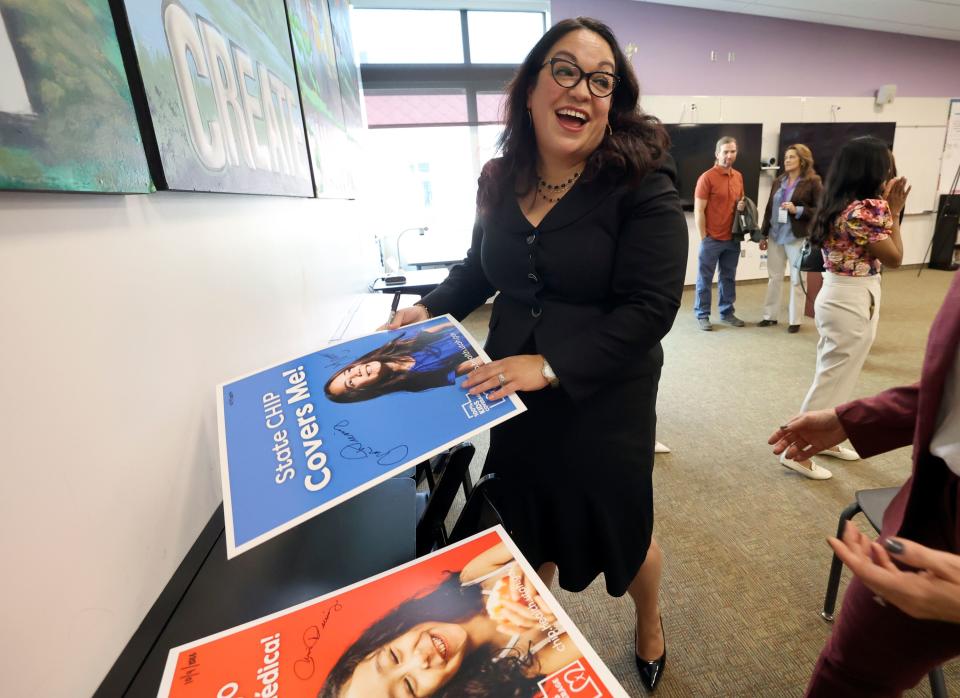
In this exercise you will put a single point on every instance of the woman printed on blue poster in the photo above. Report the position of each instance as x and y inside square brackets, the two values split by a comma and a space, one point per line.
[483, 632]
[417, 360]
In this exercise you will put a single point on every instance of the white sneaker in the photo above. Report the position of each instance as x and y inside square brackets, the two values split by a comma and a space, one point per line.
[814, 472]
[843, 454]
[661, 448]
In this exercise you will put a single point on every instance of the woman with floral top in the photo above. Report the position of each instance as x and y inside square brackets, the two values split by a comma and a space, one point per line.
[858, 227]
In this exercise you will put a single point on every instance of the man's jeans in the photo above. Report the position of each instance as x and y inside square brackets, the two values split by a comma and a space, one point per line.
[726, 254]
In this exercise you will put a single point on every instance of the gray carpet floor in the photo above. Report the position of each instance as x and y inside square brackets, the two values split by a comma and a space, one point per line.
[746, 560]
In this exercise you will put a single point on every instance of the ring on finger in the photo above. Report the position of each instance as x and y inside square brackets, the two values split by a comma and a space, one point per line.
[502, 378]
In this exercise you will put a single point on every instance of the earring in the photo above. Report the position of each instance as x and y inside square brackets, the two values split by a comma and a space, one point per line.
[609, 129]
[529, 118]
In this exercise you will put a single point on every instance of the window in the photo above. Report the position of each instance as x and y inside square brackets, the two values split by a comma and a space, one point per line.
[490, 107]
[413, 108]
[407, 36]
[433, 82]
[503, 37]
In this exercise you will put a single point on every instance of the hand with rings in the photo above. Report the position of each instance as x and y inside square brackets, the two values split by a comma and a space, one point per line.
[926, 585]
[504, 377]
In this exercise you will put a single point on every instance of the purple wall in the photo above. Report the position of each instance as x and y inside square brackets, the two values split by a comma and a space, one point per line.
[774, 57]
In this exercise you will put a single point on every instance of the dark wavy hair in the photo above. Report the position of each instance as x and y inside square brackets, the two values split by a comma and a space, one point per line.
[450, 602]
[858, 172]
[390, 379]
[638, 144]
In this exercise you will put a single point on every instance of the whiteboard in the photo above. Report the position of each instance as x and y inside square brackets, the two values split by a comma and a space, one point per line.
[918, 150]
[951, 149]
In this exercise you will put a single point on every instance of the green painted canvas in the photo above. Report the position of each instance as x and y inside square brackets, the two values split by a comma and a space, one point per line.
[222, 92]
[348, 71]
[332, 154]
[67, 121]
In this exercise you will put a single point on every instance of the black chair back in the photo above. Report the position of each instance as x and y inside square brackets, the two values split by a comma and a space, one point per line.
[481, 510]
[445, 477]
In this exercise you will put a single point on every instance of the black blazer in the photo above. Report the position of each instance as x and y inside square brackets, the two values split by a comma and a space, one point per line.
[595, 286]
[806, 194]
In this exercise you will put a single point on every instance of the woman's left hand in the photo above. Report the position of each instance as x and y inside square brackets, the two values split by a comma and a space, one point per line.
[507, 376]
[895, 191]
[790, 206]
[930, 593]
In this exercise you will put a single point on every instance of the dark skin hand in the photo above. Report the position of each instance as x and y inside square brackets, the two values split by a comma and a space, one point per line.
[807, 434]
[930, 591]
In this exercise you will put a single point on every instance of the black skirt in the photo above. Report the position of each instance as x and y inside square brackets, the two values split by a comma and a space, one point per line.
[576, 481]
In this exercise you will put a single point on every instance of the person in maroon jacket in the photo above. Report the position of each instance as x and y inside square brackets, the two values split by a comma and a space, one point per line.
[901, 612]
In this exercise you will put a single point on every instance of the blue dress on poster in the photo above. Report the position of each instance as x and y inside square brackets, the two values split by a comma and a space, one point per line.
[320, 428]
[439, 356]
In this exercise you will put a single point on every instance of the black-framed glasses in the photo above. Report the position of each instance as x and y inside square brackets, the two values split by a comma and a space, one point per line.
[568, 74]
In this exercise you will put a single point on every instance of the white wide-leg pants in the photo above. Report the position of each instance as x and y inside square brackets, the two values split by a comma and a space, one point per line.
[847, 312]
[778, 256]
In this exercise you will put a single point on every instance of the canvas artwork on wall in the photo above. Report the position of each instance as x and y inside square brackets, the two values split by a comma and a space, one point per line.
[67, 121]
[331, 147]
[348, 71]
[222, 94]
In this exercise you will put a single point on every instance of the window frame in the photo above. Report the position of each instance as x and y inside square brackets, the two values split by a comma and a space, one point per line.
[468, 76]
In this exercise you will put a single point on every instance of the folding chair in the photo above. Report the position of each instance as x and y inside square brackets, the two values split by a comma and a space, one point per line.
[872, 503]
[480, 512]
[444, 478]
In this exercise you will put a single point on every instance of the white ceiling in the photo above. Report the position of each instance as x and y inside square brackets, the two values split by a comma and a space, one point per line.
[934, 18]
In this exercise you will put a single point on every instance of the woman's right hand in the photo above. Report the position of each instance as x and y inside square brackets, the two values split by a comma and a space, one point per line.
[807, 434]
[895, 193]
[406, 316]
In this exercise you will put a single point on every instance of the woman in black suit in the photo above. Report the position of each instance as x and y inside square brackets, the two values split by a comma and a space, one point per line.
[579, 228]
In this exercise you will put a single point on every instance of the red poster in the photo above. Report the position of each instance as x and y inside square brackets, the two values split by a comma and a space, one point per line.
[471, 619]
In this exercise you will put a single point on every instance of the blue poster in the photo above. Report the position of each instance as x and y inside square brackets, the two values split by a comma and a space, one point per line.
[303, 436]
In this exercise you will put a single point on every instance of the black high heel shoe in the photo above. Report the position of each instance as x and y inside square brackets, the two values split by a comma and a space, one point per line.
[651, 672]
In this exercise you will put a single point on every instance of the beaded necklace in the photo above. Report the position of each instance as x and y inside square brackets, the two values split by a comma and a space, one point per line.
[554, 192]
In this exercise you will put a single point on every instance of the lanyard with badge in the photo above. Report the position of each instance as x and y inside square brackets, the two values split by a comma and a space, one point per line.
[787, 195]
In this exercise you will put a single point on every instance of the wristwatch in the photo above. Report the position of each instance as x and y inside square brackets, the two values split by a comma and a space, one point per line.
[547, 371]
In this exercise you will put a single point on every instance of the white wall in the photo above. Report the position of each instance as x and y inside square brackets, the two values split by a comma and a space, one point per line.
[918, 145]
[118, 316]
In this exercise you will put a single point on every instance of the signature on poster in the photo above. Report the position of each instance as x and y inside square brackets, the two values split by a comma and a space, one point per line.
[305, 667]
[356, 450]
[333, 358]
